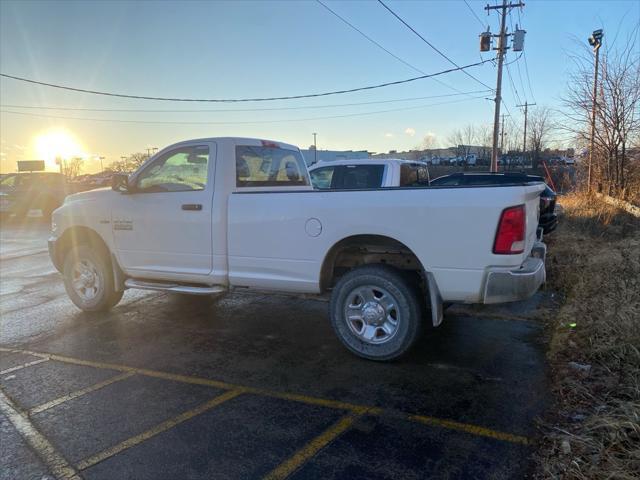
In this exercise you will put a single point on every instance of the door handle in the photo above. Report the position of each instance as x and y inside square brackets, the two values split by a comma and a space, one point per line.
[192, 206]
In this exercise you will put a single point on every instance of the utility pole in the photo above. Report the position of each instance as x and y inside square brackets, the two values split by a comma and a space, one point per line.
[524, 138]
[595, 40]
[315, 149]
[502, 134]
[501, 49]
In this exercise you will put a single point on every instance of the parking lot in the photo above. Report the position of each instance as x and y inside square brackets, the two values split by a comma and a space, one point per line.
[252, 386]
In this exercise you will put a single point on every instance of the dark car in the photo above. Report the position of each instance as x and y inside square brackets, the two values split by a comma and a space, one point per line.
[21, 192]
[548, 217]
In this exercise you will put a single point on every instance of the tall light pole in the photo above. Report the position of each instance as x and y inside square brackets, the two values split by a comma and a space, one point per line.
[595, 40]
[101, 165]
[315, 149]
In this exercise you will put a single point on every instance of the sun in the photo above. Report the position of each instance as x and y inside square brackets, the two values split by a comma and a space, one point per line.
[57, 143]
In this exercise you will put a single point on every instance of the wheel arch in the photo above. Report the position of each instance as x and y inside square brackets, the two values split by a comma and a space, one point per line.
[356, 250]
[82, 235]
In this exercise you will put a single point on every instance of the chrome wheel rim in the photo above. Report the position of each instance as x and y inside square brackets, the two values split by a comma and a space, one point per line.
[372, 314]
[85, 280]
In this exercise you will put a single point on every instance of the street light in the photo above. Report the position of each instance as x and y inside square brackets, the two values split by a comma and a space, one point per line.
[595, 40]
[315, 149]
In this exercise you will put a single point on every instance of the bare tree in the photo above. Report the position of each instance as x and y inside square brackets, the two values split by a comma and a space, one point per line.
[428, 142]
[462, 140]
[617, 111]
[129, 164]
[538, 132]
[71, 168]
[484, 139]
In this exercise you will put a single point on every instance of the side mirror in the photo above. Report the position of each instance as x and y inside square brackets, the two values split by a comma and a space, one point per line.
[120, 183]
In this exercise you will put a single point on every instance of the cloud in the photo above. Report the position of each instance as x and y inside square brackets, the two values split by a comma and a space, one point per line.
[388, 135]
[410, 131]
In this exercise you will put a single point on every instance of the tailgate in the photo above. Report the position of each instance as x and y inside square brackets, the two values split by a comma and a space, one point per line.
[532, 203]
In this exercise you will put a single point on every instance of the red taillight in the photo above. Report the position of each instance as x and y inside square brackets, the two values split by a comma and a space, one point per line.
[510, 234]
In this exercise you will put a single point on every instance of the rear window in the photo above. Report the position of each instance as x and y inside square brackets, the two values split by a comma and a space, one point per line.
[414, 175]
[321, 177]
[361, 176]
[269, 167]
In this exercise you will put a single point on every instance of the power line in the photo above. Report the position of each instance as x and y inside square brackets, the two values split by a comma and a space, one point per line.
[514, 90]
[267, 109]
[526, 67]
[369, 38]
[237, 100]
[344, 20]
[430, 44]
[291, 120]
[474, 13]
[518, 25]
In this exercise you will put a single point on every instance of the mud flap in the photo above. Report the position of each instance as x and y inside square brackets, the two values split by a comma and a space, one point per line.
[118, 275]
[435, 300]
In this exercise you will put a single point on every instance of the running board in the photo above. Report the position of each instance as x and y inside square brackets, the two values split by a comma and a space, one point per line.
[173, 287]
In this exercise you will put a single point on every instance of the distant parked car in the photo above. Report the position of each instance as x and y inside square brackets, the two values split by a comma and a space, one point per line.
[44, 191]
[368, 173]
[548, 218]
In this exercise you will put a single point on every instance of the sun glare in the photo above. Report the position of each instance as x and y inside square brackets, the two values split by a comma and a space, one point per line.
[57, 143]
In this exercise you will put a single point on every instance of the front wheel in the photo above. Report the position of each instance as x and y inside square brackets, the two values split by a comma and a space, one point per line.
[376, 313]
[88, 279]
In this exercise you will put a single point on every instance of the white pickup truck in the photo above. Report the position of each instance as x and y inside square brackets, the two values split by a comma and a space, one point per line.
[368, 173]
[210, 215]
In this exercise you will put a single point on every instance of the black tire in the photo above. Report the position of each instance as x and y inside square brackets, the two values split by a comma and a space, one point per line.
[105, 296]
[405, 301]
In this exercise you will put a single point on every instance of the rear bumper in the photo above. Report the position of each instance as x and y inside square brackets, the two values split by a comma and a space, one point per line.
[519, 284]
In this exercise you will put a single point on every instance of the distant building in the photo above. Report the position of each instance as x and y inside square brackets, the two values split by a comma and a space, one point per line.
[310, 156]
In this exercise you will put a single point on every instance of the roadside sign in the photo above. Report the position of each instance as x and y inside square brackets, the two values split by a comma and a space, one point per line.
[31, 165]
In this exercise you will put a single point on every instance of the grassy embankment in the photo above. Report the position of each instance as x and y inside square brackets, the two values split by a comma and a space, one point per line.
[593, 430]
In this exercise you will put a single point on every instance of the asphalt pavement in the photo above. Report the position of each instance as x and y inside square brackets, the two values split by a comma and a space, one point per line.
[252, 386]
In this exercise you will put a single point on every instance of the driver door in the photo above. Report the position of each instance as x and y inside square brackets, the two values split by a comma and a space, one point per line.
[162, 225]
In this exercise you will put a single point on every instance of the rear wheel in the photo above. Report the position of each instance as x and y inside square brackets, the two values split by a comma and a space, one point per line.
[88, 279]
[376, 312]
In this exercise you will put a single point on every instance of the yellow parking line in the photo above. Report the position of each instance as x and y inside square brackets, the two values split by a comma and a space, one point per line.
[334, 404]
[24, 365]
[313, 447]
[321, 402]
[162, 427]
[469, 428]
[79, 393]
[55, 462]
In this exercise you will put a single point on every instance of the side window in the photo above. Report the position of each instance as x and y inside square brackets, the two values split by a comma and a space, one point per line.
[362, 176]
[414, 175]
[321, 177]
[269, 167]
[182, 170]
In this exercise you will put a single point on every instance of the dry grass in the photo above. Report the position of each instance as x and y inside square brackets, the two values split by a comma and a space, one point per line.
[594, 430]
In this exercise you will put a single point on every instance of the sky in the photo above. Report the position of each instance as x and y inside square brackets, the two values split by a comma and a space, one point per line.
[248, 49]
